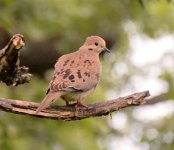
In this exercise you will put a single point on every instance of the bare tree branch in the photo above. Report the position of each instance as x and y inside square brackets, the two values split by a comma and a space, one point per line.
[70, 113]
[158, 98]
[10, 71]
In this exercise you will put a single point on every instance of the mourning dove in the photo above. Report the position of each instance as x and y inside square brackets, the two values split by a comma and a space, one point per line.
[76, 74]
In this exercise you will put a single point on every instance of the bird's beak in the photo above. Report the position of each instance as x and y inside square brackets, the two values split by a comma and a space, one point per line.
[105, 49]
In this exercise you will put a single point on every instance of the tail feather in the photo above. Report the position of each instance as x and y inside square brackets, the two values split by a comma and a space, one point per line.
[49, 98]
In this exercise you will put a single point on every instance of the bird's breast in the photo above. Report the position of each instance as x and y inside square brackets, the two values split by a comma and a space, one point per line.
[77, 95]
[73, 96]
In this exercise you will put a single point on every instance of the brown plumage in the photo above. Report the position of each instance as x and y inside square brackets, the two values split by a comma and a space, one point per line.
[76, 74]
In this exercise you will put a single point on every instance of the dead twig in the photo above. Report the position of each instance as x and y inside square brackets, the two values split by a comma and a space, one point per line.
[11, 72]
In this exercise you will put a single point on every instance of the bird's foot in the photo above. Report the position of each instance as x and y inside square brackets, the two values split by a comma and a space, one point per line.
[67, 103]
[80, 103]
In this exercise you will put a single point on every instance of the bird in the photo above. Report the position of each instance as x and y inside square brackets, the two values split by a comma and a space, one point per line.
[76, 74]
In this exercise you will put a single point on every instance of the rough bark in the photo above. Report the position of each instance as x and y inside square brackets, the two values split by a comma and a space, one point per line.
[70, 113]
[11, 72]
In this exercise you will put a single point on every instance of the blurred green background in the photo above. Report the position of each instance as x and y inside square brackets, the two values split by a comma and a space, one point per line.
[140, 36]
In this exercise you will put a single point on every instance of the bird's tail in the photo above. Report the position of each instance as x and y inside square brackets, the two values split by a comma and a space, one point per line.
[49, 98]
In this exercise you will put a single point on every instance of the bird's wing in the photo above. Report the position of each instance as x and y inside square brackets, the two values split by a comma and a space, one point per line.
[74, 72]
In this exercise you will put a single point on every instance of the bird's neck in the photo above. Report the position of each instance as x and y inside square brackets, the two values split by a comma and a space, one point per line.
[91, 55]
[88, 50]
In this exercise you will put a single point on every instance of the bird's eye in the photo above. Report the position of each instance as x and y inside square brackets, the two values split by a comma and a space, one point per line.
[96, 43]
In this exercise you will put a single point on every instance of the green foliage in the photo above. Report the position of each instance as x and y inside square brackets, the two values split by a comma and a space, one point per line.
[73, 21]
[22, 132]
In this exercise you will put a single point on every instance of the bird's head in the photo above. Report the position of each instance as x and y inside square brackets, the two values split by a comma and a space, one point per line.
[96, 44]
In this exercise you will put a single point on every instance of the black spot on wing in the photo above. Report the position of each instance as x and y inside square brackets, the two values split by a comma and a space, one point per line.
[87, 74]
[90, 49]
[79, 74]
[71, 77]
[66, 62]
[72, 62]
[67, 73]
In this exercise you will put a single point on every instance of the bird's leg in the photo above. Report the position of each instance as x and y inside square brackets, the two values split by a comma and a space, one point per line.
[67, 103]
[81, 103]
